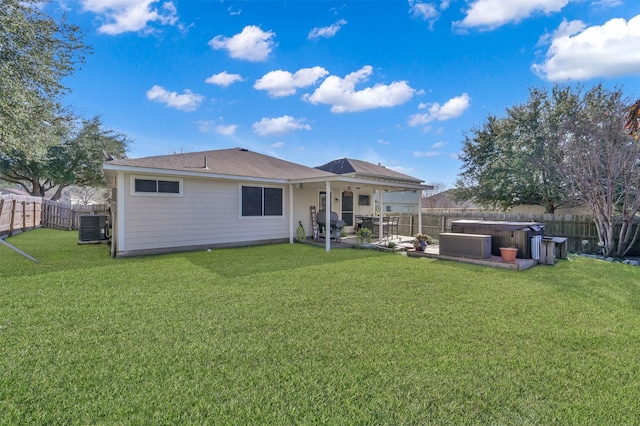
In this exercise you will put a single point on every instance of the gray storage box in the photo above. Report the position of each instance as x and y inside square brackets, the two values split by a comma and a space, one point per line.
[475, 246]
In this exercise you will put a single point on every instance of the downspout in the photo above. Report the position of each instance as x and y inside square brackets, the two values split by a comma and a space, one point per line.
[120, 214]
[291, 230]
[419, 211]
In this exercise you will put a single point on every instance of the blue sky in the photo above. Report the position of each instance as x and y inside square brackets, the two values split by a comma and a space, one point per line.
[392, 82]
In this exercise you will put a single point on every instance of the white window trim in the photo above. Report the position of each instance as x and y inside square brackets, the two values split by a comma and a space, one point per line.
[261, 217]
[132, 187]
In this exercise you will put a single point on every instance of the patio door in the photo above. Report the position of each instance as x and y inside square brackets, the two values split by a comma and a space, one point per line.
[347, 207]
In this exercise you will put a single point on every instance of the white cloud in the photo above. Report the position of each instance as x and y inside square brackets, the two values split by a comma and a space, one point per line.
[277, 145]
[427, 11]
[439, 144]
[326, 32]
[226, 130]
[565, 29]
[252, 44]
[426, 154]
[224, 79]
[383, 142]
[607, 3]
[453, 108]
[282, 83]
[204, 125]
[186, 102]
[578, 52]
[340, 93]
[122, 16]
[491, 14]
[279, 126]
[233, 12]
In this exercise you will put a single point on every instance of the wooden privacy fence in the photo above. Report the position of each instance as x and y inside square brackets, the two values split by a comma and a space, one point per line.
[60, 215]
[577, 228]
[19, 213]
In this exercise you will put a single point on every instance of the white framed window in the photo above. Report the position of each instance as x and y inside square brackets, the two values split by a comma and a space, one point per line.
[260, 201]
[156, 187]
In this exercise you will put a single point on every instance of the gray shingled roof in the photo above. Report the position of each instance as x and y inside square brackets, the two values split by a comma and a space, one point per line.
[359, 168]
[232, 162]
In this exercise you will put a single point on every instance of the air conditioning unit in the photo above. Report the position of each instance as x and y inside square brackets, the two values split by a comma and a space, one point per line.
[92, 228]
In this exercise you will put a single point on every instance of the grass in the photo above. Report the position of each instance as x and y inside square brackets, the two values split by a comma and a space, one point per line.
[289, 334]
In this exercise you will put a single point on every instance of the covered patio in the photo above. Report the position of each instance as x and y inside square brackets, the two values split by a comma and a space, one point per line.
[370, 184]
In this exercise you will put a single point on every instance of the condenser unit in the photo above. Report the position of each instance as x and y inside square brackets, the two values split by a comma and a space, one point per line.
[92, 228]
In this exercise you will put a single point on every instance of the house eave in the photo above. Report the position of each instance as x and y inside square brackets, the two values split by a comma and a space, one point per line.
[388, 184]
[385, 183]
[182, 173]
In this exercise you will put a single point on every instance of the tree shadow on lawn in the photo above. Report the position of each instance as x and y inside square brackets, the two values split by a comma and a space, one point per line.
[59, 251]
[244, 261]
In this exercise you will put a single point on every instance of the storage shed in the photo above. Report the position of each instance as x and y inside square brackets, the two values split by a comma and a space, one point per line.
[504, 234]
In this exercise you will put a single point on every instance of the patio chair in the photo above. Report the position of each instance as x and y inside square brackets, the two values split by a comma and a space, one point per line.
[393, 226]
[390, 225]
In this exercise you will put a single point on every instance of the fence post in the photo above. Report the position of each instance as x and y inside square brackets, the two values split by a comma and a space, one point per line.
[24, 216]
[13, 216]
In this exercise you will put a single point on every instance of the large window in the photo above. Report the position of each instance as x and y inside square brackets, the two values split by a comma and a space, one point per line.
[261, 201]
[147, 186]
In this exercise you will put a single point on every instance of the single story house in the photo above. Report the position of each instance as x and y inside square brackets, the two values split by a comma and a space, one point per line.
[235, 197]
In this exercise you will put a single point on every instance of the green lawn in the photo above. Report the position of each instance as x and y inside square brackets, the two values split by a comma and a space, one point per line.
[289, 334]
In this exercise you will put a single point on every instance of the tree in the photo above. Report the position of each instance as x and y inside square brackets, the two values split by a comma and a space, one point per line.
[512, 160]
[36, 53]
[569, 145]
[67, 156]
[602, 167]
[633, 119]
[86, 195]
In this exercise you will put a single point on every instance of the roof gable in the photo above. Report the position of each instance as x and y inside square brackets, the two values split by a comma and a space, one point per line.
[359, 168]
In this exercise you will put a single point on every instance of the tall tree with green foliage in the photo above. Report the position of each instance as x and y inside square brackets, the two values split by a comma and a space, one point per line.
[561, 147]
[633, 119]
[512, 160]
[602, 166]
[69, 156]
[37, 52]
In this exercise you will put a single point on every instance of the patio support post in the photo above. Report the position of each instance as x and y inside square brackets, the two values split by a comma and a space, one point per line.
[419, 212]
[327, 219]
[291, 229]
[381, 215]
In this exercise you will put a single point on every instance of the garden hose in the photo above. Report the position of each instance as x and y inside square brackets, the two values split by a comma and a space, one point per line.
[300, 234]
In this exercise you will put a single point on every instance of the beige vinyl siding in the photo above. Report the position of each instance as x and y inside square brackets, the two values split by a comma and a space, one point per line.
[302, 200]
[206, 214]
